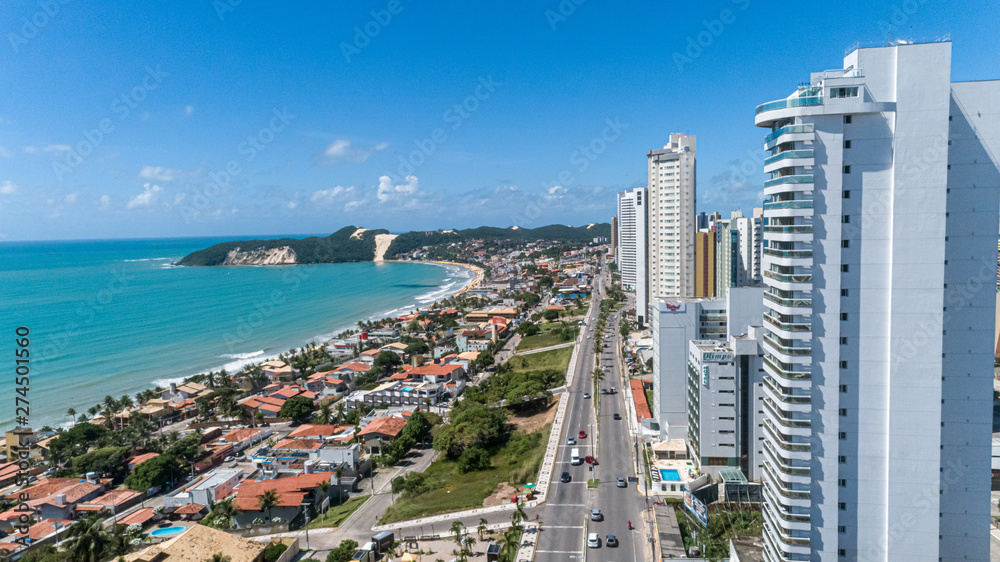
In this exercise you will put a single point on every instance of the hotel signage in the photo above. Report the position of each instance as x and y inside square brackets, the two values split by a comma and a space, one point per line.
[717, 357]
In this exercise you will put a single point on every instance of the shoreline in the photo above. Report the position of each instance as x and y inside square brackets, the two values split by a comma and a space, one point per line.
[320, 339]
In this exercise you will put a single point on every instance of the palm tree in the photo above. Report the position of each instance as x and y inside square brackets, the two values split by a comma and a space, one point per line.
[481, 529]
[219, 557]
[93, 410]
[82, 419]
[125, 402]
[88, 539]
[340, 411]
[71, 413]
[268, 500]
[119, 542]
[456, 527]
[469, 542]
[224, 511]
[338, 472]
[325, 414]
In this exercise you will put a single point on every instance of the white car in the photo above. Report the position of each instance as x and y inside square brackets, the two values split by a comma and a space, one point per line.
[593, 540]
[571, 441]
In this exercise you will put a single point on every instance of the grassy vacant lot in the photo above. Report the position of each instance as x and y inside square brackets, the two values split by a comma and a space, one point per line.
[549, 336]
[516, 462]
[557, 359]
[338, 513]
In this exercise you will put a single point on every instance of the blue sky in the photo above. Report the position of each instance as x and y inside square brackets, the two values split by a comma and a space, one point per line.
[124, 120]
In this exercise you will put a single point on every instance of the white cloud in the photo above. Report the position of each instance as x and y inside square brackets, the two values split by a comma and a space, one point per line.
[327, 196]
[7, 187]
[188, 110]
[341, 151]
[147, 196]
[158, 173]
[70, 199]
[387, 191]
[105, 201]
[291, 204]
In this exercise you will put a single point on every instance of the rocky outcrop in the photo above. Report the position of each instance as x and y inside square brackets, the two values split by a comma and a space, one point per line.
[272, 256]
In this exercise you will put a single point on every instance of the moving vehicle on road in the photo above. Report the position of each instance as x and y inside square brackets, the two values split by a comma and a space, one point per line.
[571, 440]
[574, 457]
[622, 483]
[611, 541]
[617, 416]
[590, 460]
[586, 395]
[593, 541]
[583, 434]
[565, 477]
[596, 515]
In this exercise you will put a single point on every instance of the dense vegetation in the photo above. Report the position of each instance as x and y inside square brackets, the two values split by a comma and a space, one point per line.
[338, 247]
[341, 247]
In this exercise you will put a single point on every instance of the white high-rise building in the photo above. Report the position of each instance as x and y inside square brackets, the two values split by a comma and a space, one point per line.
[751, 237]
[672, 217]
[631, 254]
[880, 265]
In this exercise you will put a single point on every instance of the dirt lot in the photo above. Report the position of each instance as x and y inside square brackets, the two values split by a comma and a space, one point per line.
[529, 424]
[503, 492]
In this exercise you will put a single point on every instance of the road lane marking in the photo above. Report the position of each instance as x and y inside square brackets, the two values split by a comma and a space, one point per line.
[564, 504]
[563, 527]
[559, 552]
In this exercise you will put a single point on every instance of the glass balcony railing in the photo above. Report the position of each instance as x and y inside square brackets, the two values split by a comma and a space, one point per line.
[793, 204]
[787, 349]
[787, 326]
[788, 253]
[782, 419]
[794, 303]
[806, 128]
[790, 102]
[803, 153]
[782, 442]
[789, 278]
[799, 178]
[787, 374]
[789, 229]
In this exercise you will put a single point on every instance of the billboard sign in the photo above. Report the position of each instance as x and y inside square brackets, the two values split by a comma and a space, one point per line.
[696, 507]
[717, 357]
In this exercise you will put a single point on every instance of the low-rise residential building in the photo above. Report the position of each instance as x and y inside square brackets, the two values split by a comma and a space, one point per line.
[241, 438]
[135, 461]
[55, 498]
[276, 370]
[381, 430]
[322, 432]
[294, 493]
[179, 393]
[368, 357]
[398, 393]
[214, 486]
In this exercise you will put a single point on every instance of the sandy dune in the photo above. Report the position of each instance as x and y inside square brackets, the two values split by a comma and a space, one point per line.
[382, 242]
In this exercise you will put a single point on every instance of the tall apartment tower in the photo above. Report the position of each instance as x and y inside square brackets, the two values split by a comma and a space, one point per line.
[614, 236]
[672, 218]
[704, 264]
[750, 233]
[727, 256]
[632, 249]
[880, 264]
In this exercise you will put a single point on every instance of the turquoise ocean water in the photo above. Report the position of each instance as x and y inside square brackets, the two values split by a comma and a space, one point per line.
[116, 317]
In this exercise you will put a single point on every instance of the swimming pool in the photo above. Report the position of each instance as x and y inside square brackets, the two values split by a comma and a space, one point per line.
[167, 531]
[670, 474]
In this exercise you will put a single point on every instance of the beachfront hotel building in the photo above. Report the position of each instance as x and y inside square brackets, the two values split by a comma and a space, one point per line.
[631, 256]
[879, 266]
[672, 218]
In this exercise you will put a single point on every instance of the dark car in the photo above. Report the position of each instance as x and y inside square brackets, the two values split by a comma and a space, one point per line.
[617, 416]
[611, 541]
[565, 477]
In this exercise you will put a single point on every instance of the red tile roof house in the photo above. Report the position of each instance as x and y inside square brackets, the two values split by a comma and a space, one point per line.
[241, 438]
[139, 459]
[267, 404]
[294, 451]
[8, 474]
[381, 429]
[326, 382]
[294, 494]
[368, 357]
[437, 373]
[54, 498]
[350, 370]
[317, 431]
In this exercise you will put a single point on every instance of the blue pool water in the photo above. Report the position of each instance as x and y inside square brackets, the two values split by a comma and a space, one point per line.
[407, 388]
[167, 531]
[670, 474]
